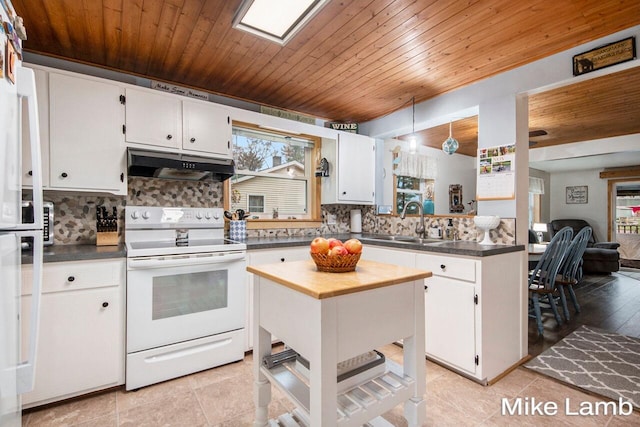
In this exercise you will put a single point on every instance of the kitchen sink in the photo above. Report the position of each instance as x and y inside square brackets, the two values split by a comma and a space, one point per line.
[401, 239]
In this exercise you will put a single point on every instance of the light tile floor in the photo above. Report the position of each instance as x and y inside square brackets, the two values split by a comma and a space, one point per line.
[223, 397]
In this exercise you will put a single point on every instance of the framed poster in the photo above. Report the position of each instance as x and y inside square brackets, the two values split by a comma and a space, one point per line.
[578, 194]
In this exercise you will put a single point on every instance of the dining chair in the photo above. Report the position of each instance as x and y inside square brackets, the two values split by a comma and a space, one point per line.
[542, 279]
[570, 271]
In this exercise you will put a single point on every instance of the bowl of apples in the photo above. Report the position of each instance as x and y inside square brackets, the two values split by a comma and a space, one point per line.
[333, 256]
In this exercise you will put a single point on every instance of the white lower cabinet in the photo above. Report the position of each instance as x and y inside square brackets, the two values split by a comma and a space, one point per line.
[450, 311]
[81, 340]
[268, 256]
[475, 309]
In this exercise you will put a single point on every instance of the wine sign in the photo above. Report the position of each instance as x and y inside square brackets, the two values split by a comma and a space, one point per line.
[347, 127]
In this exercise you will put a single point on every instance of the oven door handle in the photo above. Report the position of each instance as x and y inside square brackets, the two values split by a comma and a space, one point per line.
[184, 260]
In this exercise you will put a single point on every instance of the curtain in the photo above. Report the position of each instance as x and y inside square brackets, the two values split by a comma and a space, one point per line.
[536, 185]
[416, 166]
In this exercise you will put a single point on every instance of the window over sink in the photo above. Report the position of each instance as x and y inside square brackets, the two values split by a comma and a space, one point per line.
[274, 179]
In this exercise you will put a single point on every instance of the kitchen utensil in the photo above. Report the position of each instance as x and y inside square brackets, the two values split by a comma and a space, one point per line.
[241, 214]
[228, 215]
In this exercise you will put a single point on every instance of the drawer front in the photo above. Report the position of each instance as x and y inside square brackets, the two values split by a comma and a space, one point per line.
[448, 266]
[270, 256]
[68, 276]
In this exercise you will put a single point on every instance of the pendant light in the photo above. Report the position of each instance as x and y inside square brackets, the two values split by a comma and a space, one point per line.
[450, 145]
[413, 142]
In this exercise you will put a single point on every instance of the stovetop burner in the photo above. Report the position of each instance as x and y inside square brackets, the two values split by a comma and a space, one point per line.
[168, 230]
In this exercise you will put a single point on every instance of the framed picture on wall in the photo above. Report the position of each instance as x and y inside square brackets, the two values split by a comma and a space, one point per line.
[578, 194]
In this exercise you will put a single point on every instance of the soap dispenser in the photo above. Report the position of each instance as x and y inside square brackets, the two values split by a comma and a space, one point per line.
[449, 230]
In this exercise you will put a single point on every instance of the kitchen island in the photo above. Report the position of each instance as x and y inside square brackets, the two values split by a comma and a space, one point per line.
[332, 317]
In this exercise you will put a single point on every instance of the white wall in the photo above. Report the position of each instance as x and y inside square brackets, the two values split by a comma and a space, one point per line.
[594, 212]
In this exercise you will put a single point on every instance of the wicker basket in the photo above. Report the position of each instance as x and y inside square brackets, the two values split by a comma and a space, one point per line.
[335, 264]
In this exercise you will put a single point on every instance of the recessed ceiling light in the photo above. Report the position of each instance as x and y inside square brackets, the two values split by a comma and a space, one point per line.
[276, 20]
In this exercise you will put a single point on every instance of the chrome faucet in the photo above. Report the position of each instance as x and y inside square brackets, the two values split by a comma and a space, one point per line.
[420, 229]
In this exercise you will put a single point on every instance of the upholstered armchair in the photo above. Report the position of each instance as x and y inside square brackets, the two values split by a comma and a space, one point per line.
[599, 257]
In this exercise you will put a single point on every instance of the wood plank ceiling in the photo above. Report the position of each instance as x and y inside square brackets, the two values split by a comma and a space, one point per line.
[603, 107]
[357, 60]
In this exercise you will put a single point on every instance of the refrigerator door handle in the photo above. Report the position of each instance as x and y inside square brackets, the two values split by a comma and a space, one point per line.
[26, 88]
[26, 370]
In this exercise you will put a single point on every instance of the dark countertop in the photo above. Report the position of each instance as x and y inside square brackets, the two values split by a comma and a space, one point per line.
[61, 253]
[443, 246]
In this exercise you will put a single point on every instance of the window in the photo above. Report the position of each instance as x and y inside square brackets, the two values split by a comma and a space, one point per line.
[256, 203]
[414, 177]
[274, 174]
[412, 189]
[536, 189]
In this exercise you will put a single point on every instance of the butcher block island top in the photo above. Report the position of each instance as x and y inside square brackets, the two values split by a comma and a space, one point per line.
[304, 277]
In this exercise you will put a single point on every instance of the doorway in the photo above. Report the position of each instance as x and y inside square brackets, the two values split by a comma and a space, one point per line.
[626, 224]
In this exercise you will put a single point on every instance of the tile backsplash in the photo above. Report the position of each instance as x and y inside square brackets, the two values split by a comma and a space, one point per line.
[75, 213]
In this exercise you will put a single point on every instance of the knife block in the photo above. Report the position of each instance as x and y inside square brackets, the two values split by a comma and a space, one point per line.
[107, 238]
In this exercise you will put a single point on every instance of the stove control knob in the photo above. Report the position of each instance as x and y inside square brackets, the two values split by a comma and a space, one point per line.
[216, 216]
[207, 215]
[146, 214]
[199, 215]
[135, 215]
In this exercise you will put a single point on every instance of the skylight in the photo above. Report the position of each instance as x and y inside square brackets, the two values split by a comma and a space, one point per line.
[276, 20]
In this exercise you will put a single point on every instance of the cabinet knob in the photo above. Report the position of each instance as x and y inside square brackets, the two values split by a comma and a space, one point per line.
[426, 287]
[344, 193]
[70, 279]
[442, 266]
[192, 140]
[64, 174]
[281, 259]
[169, 136]
[30, 173]
[105, 304]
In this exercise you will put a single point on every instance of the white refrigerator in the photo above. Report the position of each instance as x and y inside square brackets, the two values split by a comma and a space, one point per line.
[17, 369]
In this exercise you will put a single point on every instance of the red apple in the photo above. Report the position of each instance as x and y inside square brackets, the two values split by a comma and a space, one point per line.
[338, 251]
[319, 245]
[353, 246]
[334, 242]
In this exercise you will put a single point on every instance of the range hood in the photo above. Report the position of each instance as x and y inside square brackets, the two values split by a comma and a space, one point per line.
[156, 164]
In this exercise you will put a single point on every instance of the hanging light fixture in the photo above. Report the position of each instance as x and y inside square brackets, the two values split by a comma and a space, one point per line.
[450, 145]
[413, 141]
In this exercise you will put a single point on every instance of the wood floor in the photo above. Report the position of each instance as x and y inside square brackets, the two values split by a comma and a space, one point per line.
[609, 302]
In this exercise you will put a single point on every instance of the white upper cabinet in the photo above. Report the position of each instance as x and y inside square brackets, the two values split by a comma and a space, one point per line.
[352, 166]
[207, 128]
[42, 93]
[165, 120]
[86, 141]
[153, 118]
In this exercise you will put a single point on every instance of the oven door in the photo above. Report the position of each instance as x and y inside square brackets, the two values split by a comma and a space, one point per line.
[176, 298]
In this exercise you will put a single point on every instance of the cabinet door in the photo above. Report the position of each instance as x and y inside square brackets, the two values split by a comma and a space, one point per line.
[153, 118]
[207, 128]
[450, 322]
[42, 92]
[86, 142]
[81, 343]
[356, 168]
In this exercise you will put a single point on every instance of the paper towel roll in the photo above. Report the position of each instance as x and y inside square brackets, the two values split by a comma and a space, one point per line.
[356, 221]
